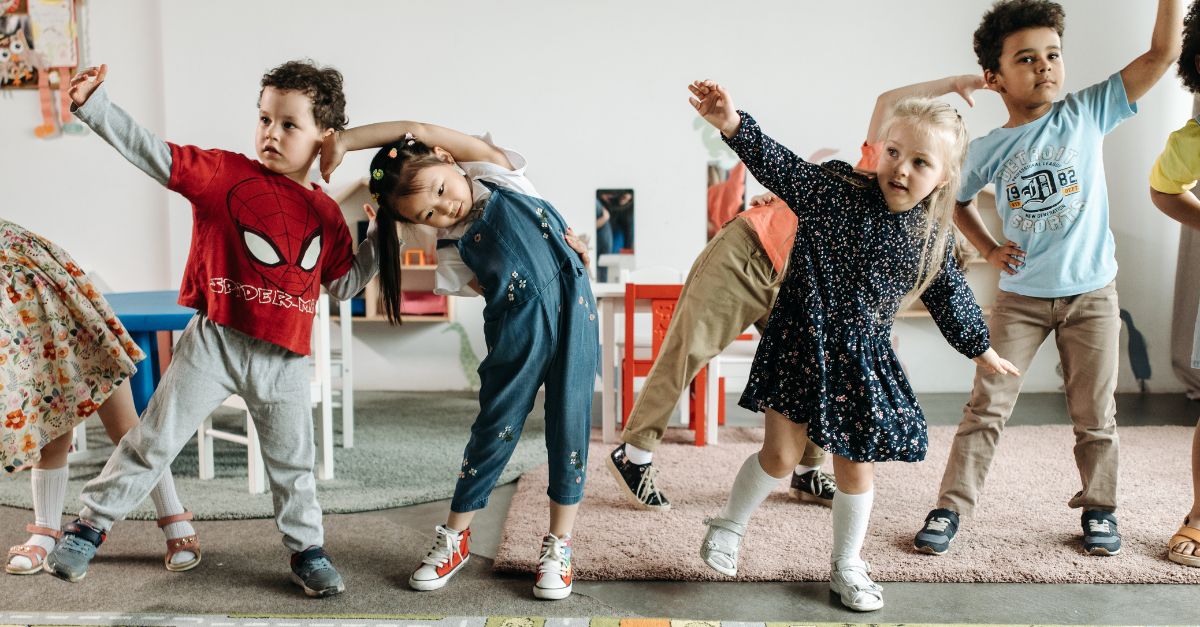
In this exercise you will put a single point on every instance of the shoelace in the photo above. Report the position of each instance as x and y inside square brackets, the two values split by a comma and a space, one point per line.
[445, 546]
[646, 487]
[1099, 526]
[937, 524]
[825, 483]
[553, 556]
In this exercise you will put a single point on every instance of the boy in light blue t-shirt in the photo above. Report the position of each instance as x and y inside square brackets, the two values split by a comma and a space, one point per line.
[1058, 259]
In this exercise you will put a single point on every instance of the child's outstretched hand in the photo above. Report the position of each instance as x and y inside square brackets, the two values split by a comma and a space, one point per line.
[85, 82]
[332, 152]
[764, 198]
[713, 104]
[578, 245]
[996, 364]
[966, 85]
[372, 226]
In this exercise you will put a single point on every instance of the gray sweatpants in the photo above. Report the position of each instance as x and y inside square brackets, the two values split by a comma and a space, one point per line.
[210, 363]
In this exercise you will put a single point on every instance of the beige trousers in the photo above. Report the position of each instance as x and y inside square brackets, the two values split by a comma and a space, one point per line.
[731, 285]
[1087, 330]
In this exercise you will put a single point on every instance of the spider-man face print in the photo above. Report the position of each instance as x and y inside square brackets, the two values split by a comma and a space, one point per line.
[279, 231]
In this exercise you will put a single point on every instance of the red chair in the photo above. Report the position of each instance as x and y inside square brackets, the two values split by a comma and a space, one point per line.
[662, 299]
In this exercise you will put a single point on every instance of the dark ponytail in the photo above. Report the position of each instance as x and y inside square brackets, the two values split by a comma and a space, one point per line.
[391, 178]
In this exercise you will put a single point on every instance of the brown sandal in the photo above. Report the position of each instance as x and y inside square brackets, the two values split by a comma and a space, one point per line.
[190, 544]
[1185, 534]
[32, 552]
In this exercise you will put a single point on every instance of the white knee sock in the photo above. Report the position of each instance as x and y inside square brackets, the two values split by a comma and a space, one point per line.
[751, 486]
[851, 515]
[49, 494]
[166, 502]
[801, 469]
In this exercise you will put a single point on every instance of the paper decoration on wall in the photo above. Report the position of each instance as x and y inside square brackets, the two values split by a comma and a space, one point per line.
[39, 46]
[466, 355]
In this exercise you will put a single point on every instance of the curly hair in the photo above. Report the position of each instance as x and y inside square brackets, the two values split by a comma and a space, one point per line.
[1007, 17]
[1191, 49]
[323, 85]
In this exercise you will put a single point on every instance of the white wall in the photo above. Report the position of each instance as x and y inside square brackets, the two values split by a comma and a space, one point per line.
[75, 190]
[594, 95]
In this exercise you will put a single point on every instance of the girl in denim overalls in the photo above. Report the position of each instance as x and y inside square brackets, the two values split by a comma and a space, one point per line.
[499, 238]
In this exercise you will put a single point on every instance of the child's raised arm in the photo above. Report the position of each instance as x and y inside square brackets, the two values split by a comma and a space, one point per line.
[1165, 43]
[137, 144]
[963, 85]
[460, 146]
[775, 166]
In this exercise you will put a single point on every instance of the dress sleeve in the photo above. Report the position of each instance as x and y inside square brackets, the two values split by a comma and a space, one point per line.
[780, 170]
[952, 304]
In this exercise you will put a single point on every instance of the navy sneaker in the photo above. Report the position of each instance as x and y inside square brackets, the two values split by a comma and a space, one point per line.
[934, 538]
[814, 486]
[70, 558]
[312, 570]
[1100, 535]
[637, 481]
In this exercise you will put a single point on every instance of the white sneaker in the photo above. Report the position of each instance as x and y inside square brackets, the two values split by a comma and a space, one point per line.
[721, 544]
[554, 577]
[449, 554]
[850, 581]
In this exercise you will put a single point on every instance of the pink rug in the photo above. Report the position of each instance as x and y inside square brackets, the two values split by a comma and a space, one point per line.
[1022, 531]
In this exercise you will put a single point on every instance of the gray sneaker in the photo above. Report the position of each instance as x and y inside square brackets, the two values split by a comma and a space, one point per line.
[70, 558]
[1100, 535]
[940, 527]
[312, 570]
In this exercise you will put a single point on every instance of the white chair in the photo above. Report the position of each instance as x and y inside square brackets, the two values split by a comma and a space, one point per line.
[256, 471]
[341, 369]
[740, 353]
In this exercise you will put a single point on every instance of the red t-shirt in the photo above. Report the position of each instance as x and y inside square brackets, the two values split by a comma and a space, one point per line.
[262, 245]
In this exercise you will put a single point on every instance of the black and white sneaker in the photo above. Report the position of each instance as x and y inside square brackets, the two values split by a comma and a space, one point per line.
[1100, 535]
[934, 538]
[814, 486]
[637, 481]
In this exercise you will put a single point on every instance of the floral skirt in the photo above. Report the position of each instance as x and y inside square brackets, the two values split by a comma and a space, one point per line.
[62, 350]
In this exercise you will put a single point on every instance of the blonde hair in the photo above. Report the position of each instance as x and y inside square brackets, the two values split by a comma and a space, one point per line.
[935, 119]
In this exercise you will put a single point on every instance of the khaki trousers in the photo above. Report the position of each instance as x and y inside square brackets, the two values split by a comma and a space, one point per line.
[1087, 330]
[731, 285]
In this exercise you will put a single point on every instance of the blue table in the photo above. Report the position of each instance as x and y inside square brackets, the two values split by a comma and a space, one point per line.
[144, 314]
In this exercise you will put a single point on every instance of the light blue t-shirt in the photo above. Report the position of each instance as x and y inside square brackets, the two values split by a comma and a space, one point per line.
[1051, 193]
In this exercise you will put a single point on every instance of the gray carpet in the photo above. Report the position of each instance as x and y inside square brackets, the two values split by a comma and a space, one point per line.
[408, 447]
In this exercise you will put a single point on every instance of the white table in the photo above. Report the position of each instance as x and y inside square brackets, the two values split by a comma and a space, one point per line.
[610, 297]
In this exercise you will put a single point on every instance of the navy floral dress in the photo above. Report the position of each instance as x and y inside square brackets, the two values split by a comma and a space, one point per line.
[826, 356]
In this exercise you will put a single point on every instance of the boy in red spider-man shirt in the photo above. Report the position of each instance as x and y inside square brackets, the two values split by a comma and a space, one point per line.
[264, 240]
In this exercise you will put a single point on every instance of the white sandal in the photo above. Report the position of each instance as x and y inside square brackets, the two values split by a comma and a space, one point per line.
[850, 581]
[721, 543]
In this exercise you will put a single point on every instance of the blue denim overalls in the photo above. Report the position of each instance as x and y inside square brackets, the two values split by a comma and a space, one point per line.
[540, 325]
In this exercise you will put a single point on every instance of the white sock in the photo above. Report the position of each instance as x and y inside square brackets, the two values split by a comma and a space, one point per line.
[167, 503]
[751, 486]
[639, 456]
[49, 494]
[801, 469]
[851, 515]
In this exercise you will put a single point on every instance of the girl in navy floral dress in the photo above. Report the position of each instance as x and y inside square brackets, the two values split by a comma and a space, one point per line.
[825, 367]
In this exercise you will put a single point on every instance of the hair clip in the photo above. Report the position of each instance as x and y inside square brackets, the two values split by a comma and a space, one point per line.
[392, 153]
[409, 139]
[377, 174]
[375, 197]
